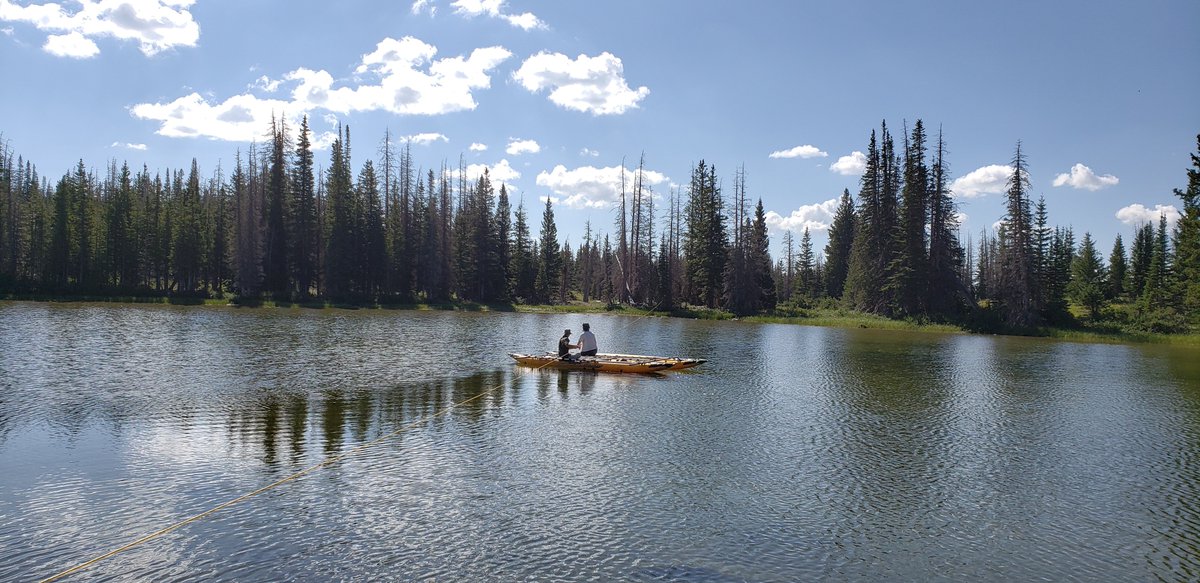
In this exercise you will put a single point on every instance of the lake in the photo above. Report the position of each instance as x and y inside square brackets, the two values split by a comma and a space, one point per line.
[796, 453]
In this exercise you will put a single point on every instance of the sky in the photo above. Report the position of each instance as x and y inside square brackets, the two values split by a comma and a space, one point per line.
[555, 98]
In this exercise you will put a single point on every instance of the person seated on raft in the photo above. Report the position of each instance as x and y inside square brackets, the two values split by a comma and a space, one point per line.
[587, 341]
[565, 346]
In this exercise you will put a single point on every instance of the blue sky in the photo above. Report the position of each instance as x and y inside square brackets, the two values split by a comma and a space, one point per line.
[553, 95]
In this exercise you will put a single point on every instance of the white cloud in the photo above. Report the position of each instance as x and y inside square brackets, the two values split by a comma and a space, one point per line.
[1082, 177]
[494, 9]
[589, 152]
[72, 44]
[266, 84]
[991, 179]
[426, 138]
[156, 25]
[140, 147]
[517, 147]
[853, 165]
[961, 218]
[1137, 214]
[419, 6]
[805, 151]
[408, 82]
[591, 187]
[594, 85]
[8, 31]
[477, 147]
[499, 173]
[816, 217]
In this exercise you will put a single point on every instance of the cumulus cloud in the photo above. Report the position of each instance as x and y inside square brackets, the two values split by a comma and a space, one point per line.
[593, 85]
[589, 152]
[72, 45]
[853, 165]
[426, 138]
[991, 179]
[265, 83]
[961, 218]
[407, 81]
[494, 9]
[815, 217]
[1082, 177]
[156, 25]
[805, 151]
[477, 147]
[517, 147]
[591, 187]
[1137, 214]
[499, 173]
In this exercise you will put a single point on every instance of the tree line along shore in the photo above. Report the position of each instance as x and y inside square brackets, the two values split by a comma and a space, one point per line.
[272, 230]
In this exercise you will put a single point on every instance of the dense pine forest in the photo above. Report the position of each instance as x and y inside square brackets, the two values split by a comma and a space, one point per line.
[272, 227]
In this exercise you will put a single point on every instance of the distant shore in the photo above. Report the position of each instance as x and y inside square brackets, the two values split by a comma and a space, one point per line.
[818, 316]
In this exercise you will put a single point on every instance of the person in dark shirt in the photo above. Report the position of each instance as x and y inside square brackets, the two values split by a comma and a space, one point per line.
[565, 346]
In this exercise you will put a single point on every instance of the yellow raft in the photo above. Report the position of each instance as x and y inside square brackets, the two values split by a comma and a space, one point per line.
[626, 363]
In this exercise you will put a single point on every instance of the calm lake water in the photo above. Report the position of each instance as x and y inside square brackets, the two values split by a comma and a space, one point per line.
[796, 453]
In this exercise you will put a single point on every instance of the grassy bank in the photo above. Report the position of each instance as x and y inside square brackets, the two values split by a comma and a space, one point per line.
[826, 315]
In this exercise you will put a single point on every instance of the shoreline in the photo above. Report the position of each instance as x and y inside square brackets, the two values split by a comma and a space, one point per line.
[823, 317]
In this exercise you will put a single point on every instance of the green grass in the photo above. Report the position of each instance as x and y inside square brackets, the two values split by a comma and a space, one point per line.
[1112, 330]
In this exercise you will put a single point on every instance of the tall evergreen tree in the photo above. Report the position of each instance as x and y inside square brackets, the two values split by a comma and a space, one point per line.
[188, 247]
[759, 261]
[1118, 268]
[705, 242]
[1187, 241]
[502, 277]
[874, 230]
[524, 266]
[837, 250]
[1087, 286]
[806, 266]
[549, 260]
[1018, 292]
[908, 277]
[275, 261]
[947, 292]
[304, 215]
[1139, 259]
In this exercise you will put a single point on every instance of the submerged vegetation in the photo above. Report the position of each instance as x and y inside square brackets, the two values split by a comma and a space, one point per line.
[272, 232]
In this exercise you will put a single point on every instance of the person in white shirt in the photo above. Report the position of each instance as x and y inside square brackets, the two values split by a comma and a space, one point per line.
[587, 341]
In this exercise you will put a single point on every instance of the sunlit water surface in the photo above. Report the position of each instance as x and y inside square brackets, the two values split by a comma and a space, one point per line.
[795, 453]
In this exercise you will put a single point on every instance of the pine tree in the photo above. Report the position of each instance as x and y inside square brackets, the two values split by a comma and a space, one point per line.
[275, 261]
[806, 266]
[705, 241]
[1088, 276]
[947, 293]
[187, 249]
[908, 277]
[549, 260]
[1139, 259]
[874, 230]
[1118, 269]
[524, 267]
[759, 261]
[1187, 241]
[502, 277]
[304, 216]
[1018, 292]
[373, 241]
[837, 250]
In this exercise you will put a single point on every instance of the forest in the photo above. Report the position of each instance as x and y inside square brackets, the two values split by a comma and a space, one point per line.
[273, 228]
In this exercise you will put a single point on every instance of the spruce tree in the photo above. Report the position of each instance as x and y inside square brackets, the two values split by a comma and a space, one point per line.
[837, 250]
[1187, 241]
[304, 215]
[275, 260]
[1018, 292]
[1118, 268]
[549, 263]
[1088, 277]
[1139, 259]
[908, 278]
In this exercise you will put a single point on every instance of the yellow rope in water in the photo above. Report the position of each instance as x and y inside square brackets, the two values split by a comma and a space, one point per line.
[280, 482]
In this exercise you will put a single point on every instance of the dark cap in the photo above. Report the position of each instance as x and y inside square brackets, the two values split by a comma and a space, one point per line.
[586, 326]
[567, 332]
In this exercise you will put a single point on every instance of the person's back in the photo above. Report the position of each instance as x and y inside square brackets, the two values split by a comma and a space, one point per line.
[587, 342]
[564, 344]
